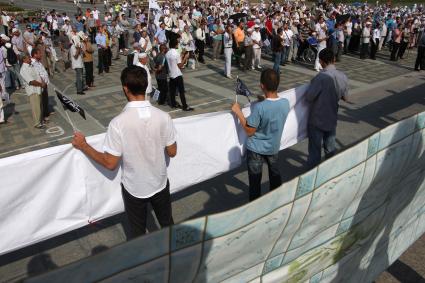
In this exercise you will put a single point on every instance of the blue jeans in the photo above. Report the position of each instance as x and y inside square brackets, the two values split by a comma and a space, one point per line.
[285, 54]
[255, 172]
[277, 56]
[315, 138]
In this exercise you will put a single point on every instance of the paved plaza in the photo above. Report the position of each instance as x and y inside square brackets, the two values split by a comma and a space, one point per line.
[382, 93]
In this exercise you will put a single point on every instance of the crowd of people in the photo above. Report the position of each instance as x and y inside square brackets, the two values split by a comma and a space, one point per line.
[174, 35]
[162, 41]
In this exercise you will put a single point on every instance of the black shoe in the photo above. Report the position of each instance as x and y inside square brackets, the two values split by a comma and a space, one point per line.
[81, 93]
[188, 109]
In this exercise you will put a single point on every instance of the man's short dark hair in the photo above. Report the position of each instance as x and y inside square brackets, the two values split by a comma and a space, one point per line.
[270, 79]
[34, 51]
[173, 42]
[327, 56]
[135, 79]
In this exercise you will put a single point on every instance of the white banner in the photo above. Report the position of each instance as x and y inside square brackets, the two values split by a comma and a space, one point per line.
[54, 190]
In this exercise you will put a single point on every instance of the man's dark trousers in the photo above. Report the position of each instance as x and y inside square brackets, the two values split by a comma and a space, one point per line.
[103, 63]
[88, 66]
[315, 138]
[136, 209]
[45, 103]
[177, 84]
[200, 46]
[420, 58]
[163, 90]
[255, 170]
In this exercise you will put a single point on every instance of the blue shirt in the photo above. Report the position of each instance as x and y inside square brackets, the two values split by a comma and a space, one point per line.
[160, 34]
[268, 118]
[331, 24]
[79, 26]
[100, 40]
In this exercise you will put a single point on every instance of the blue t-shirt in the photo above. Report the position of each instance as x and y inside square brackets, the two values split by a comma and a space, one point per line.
[268, 117]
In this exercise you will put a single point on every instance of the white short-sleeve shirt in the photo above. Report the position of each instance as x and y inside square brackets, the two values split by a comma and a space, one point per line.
[173, 58]
[139, 134]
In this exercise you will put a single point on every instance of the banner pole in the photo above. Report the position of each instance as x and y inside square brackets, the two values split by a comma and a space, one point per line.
[236, 94]
[70, 121]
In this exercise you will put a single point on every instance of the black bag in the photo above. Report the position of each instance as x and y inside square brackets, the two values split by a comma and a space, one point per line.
[11, 56]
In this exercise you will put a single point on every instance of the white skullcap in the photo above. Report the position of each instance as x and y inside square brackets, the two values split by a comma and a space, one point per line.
[142, 55]
[4, 37]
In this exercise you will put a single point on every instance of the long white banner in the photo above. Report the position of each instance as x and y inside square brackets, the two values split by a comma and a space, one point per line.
[54, 190]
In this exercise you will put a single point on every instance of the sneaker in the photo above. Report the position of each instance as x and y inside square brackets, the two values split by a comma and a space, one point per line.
[188, 109]
[229, 77]
[259, 67]
[40, 126]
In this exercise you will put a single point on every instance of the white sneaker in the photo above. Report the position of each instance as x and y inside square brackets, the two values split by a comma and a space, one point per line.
[229, 77]
[259, 67]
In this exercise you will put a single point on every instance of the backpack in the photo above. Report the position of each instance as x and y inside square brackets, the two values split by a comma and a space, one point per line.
[11, 56]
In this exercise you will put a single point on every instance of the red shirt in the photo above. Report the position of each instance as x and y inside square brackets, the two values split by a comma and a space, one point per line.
[250, 24]
[269, 26]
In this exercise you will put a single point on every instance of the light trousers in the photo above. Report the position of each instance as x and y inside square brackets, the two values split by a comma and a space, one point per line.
[228, 61]
[35, 102]
[317, 65]
[4, 95]
[256, 58]
[216, 48]
[381, 42]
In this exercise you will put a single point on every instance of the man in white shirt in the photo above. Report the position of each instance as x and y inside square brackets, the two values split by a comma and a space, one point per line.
[36, 55]
[321, 37]
[33, 85]
[200, 41]
[256, 38]
[5, 21]
[287, 42]
[228, 50]
[142, 62]
[175, 63]
[376, 36]
[95, 14]
[78, 65]
[365, 39]
[348, 29]
[143, 137]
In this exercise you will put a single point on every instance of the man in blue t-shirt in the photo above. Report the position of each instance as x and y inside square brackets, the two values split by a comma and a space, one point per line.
[264, 128]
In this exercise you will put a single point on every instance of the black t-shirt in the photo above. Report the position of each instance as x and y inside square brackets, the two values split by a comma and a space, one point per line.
[160, 60]
[64, 40]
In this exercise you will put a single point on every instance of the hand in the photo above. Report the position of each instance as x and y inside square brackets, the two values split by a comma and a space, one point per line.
[79, 140]
[236, 108]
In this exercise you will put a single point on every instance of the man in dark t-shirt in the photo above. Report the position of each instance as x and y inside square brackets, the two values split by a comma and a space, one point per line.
[161, 74]
[65, 45]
